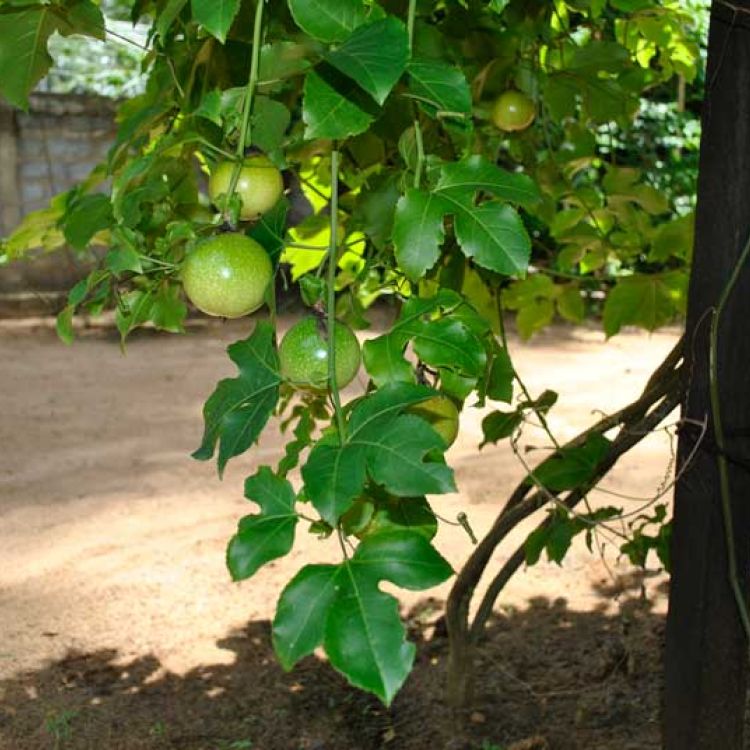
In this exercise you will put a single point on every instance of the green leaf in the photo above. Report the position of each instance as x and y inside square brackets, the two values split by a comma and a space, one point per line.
[168, 310]
[374, 56]
[211, 107]
[38, 229]
[216, 16]
[439, 88]
[399, 513]
[239, 408]
[445, 340]
[82, 17]
[499, 425]
[491, 233]
[403, 557]
[24, 59]
[64, 324]
[302, 439]
[359, 625]
[377, 408]
[533, 297]
[333, 106]
[645, 300]
[328, 20]
[396, 458]
[449, 342]
[500, 375]
[269, 122]
[302, 611]
[570, 303]
[133, 310]
[389, 447]
[418, 232]
[281, 60]
[87, 216]
[334, 475]
[534, 316]
[364, 637]
[267, 535]
[460, 181]
[123, 258]
[166, 18]
[598, 56]
[25, 31]
[494, 236]
[673, 240]
[375, 209]
[572, 467]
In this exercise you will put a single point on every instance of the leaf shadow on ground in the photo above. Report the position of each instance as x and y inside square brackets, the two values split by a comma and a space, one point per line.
[549, 679]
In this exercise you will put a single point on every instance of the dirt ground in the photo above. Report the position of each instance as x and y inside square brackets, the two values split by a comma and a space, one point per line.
[120, 628]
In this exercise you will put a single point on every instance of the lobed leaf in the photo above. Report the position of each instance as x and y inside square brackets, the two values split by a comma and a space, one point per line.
[267, 535]
[239, 408]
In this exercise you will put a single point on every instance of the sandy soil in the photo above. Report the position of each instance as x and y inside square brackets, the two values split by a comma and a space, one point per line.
[112, 538]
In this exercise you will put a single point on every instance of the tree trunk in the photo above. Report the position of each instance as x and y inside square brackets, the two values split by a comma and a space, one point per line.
[706, 651]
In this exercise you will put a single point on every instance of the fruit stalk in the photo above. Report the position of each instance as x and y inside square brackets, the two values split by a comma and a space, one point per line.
[331, 300]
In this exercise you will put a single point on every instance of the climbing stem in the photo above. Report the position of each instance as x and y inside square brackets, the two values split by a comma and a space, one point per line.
[247, 105]
[419, 142]
[412, 14]
[331, 301]
[719, 439]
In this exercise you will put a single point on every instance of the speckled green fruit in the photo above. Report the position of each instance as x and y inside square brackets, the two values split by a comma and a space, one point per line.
[442, 415]
[227, 275]
[259, 185]
[303, 354]
[513, 110]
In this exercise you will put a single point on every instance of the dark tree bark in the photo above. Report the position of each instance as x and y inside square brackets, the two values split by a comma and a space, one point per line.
[706, 651]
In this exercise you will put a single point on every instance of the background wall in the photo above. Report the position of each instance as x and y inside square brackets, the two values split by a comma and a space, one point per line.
[44, 152]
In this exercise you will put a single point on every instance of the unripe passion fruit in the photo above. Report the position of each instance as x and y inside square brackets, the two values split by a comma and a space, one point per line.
[513, 110]
[259, 185]
[442, 414]
[227, 275]
[303, 354]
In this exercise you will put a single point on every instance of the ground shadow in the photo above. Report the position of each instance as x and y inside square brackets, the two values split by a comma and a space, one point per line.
[549, 679]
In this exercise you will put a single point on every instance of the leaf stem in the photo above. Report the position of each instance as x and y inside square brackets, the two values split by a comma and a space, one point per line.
[331, 301]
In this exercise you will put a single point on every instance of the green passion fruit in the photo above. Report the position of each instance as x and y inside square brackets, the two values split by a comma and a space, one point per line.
[259, 185]
[513, 110]
[227, 275]
[303, 354]
[442, 414]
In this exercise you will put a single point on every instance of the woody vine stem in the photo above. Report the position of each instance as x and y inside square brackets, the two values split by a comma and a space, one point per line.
[721, 456]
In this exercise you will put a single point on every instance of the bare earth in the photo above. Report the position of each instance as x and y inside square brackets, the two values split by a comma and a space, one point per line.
[120, 628]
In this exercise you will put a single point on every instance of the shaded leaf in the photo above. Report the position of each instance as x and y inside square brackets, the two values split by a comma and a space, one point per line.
[418, 231]
[332, 108]
[216, 16]
[328, 20]
[439, 87]
[572, 467]
[374, 56]
[302, 612]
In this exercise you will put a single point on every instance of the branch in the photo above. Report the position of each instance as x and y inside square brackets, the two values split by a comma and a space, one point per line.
[665, 383]
[627, 438]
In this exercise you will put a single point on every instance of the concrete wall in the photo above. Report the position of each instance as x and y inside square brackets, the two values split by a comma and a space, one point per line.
[43, 152]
